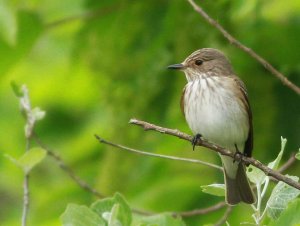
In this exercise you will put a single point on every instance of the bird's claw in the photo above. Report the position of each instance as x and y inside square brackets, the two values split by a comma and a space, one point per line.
[195, 140]
[237, 155]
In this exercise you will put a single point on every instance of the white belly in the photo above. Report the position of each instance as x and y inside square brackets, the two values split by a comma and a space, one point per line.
[216, 114]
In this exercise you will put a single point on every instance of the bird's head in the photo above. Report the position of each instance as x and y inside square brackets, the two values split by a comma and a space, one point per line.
[206, 61]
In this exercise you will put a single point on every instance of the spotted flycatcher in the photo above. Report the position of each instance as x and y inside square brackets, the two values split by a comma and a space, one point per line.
[216, 107]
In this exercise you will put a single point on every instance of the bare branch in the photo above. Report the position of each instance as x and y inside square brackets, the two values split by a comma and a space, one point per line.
[246, 49]
[288, 163]
[66, 168]
[101, 140]
[201, 211]
[225, 216]
[223, 151]
[26, 190]
[88, 188]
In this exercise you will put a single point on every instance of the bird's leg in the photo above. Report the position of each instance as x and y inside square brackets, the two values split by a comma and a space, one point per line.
[195, 140]
[237, 155]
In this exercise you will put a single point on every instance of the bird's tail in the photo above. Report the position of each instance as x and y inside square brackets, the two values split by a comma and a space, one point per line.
[238, 189]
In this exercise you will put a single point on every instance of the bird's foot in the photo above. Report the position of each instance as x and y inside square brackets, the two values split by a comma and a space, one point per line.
[237, 155]
[195, 140]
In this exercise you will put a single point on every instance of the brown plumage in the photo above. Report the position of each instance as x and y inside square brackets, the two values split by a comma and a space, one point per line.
[215, 104]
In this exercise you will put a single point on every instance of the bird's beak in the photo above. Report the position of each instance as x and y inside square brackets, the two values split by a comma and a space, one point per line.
[176, 66]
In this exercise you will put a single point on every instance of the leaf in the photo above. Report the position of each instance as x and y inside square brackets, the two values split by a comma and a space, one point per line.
[38, 114]
[107, 208]
[8, 23]
[255, 175]
[77, 215]
[16, 88]
[290, 216]
[12, 159]
[165, 219]
[281, 195]
[214, 189]
[31, 158]
[112, 217]
[275, 163]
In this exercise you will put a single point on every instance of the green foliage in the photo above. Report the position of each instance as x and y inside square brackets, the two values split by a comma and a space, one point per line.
[258, 177]
[113, 212]
[281, 195]
[290, 217]
[214, 189]
[274, 164]
[103, 63]
[76, 215]
[30, 159]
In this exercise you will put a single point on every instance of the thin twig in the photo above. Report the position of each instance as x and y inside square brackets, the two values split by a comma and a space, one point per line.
[26, 197]
[225, 216]
[202, 211]
[88, 188]
[101, 140]
[217, 148]
[67, 169]
[246, 49]
[288, 163]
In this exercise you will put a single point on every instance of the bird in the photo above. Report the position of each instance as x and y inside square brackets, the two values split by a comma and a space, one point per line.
[216, 107]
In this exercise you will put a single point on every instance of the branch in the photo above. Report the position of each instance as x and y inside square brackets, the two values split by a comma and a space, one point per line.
[201, 211]
[246, 49]
[66, 168]
[84, 185]
[101, 140]
[288, 163]
[26, 190]
[222, 151]
[224, 217]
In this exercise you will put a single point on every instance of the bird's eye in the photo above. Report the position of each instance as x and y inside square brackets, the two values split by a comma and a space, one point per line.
[198, 62]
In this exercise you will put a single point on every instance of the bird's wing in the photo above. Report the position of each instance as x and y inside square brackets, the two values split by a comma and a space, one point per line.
[249, 142]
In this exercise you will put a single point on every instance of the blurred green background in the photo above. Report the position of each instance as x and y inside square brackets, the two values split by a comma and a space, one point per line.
[92, 65]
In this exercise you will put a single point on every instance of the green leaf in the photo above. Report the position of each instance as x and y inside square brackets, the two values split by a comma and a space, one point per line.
[281, 195]
[255, 175]
[290, 216]
[12, 159]
[275, 163]
[38, 114]
[77, 215]
[112, 217]
[16, 88]
[31, 158]
[115, 208]
[214, 189]
[165, 219]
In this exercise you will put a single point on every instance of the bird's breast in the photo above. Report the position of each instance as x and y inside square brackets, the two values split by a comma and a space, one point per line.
[212, 109]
